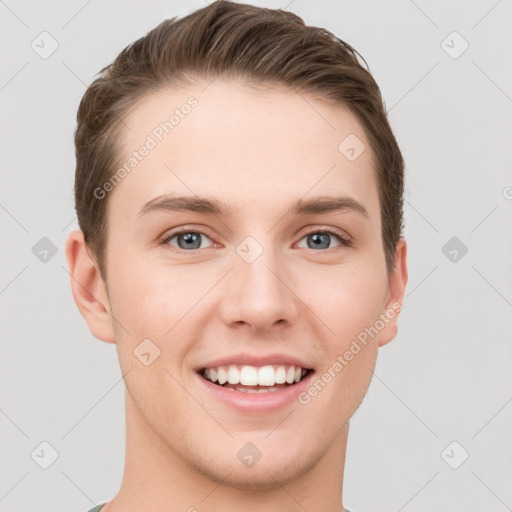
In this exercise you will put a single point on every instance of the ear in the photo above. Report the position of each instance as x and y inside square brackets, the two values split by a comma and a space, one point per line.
[88, 288]
[395, 296]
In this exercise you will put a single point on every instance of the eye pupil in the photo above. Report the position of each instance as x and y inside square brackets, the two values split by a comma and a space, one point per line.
[319, 238]
[190, 238]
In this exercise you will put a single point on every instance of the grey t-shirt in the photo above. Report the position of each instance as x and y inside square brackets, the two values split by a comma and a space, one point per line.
[98, 508]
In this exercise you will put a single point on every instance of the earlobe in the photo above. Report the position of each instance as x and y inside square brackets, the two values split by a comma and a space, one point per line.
[88, 288]
[396, 292]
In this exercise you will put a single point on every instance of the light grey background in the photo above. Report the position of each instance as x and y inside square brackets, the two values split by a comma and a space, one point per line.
[446, 377]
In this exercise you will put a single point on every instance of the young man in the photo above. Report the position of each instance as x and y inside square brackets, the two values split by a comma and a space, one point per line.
[239, 194]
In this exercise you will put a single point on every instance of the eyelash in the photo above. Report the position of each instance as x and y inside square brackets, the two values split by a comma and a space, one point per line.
[344, 240]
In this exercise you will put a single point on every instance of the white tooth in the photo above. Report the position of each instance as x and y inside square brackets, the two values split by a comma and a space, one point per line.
[297, 374]
[233, 374]
[206, 374]
[249, 376]
[222, 376]
[266, 376]
[272, 389]
[290, 375]
[304, 371]
[262, 390]
[249, 390]
[280, 377]
[213, 374]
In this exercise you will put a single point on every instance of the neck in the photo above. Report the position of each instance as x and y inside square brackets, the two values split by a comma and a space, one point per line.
[156, 479]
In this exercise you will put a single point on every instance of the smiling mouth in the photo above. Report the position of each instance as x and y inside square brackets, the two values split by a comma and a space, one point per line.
[255, 379]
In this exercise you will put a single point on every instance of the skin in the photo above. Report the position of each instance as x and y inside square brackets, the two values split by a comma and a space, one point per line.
[257, 149]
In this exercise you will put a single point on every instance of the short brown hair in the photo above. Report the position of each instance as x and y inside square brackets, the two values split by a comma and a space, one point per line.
[267, 46]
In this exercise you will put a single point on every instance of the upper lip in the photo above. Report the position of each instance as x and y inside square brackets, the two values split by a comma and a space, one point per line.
[255, 360]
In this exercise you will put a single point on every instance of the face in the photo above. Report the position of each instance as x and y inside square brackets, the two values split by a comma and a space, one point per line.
[271, 276]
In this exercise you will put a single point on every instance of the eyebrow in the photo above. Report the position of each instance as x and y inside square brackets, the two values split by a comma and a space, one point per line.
[217, 207]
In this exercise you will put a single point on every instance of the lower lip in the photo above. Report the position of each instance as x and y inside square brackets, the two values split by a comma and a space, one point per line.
[256, 402]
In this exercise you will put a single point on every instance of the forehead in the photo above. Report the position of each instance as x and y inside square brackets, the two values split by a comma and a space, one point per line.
[245, 144]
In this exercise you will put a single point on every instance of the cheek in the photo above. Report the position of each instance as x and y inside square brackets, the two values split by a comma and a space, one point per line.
[353, 351]
[143, 295]
[345, 302]
[156, 303]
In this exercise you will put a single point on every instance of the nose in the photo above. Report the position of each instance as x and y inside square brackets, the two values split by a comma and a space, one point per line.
[260, 294]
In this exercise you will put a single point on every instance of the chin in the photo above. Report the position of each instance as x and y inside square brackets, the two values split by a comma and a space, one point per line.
[271, 471]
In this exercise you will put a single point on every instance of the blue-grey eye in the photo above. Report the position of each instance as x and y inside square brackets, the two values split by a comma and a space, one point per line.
[187, 240]
[321, 239]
